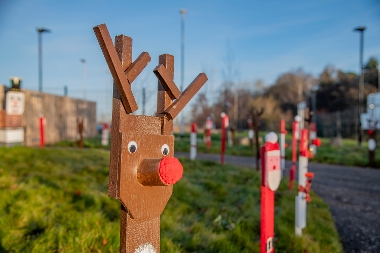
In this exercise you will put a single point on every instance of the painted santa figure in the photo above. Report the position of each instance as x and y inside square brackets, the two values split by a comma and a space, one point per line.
[270, 181]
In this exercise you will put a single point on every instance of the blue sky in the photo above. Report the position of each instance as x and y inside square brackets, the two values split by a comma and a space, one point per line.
[264, 39]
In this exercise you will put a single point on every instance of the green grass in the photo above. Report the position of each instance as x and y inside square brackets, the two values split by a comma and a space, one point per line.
[91, 142]
[55, 200]
[349, 154]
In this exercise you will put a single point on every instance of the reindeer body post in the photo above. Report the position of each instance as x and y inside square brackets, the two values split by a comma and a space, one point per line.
[142, 164]
[80, 127]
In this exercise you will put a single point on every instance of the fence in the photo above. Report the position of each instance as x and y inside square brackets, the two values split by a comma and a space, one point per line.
[61, 115]
[345, 122]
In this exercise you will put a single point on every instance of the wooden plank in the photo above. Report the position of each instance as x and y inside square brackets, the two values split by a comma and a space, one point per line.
[137, 66]
[163, 98]
[123, 46]
[167, 82]
[176, 107]
[115, 66]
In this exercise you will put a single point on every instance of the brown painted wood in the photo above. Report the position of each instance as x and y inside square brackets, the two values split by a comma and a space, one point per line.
[115, 66]
[176, 107]
[163, 98]
[137, 66]
[80, 132]
[166, 81]
[139, 234]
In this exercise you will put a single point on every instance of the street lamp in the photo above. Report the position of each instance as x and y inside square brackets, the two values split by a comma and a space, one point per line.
[314, 91]
[360, 29]
[40, 30]
[182, 12]
[84, 77]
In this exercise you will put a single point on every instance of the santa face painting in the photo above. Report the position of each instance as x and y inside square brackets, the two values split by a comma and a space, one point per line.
[15, 103]
[273, 169]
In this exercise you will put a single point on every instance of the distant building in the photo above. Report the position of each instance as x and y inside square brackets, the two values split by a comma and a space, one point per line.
[61, 115]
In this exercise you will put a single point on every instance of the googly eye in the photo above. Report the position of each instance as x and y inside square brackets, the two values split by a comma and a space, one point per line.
[165, 149]
[132, 147]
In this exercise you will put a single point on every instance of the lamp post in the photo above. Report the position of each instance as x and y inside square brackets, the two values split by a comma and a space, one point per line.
[84, 77]
[360, 29]
[40, 30]
[314, 91]
[182, 12]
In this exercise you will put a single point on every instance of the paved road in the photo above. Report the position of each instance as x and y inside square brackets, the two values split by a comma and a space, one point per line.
[353, 194]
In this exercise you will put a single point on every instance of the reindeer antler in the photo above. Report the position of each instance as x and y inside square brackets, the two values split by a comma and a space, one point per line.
[181, 99]
[122, 75]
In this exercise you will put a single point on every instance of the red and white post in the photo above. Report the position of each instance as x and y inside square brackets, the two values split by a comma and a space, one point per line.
[105, 134]
[283, 132]
[208, 131]
[193, 141]
[42, 121]
[313, 137]
[295, 137]
[225, 124]
[270, 180]
[304, 183]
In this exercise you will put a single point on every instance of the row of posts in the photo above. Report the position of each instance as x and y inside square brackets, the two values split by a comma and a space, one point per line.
[273, 165]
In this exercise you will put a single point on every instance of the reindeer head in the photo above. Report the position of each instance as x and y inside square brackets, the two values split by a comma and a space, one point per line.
[142, 167]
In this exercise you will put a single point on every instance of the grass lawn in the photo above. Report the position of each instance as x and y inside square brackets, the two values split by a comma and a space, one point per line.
[349, 154]
[55, 200]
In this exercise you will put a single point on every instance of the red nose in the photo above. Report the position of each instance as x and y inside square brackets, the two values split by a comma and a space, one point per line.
[170, 170]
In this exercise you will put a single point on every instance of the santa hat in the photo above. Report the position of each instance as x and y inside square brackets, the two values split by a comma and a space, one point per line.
[271, 143]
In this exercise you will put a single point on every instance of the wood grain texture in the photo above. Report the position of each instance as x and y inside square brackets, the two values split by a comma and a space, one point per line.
[143, 202]
[115, 66]
[165, 79]
[123, 47]
[163, 98]
[135, 234]
[137, 66]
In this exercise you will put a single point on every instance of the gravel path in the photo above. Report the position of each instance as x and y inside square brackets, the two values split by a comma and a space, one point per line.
[353, 194]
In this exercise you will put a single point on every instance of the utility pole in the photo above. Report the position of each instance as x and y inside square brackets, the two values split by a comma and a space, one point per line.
[40, 30]
[182, 12]
[84, 77]
[143, 100]
[360, 29]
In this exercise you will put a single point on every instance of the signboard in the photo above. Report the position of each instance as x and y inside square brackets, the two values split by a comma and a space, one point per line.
[15, 103]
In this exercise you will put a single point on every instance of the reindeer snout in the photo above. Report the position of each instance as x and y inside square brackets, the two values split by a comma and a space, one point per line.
[156, 172]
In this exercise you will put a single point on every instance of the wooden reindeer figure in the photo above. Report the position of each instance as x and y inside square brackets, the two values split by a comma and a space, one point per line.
[142, 165]
[80, 127]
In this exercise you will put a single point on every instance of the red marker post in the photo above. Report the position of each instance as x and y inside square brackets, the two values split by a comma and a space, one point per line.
[283, 132]
[208, 132]
[105, 134]
[42, 121]
[304, 183]
[270, 180]
[225, 123]
[295, 137]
